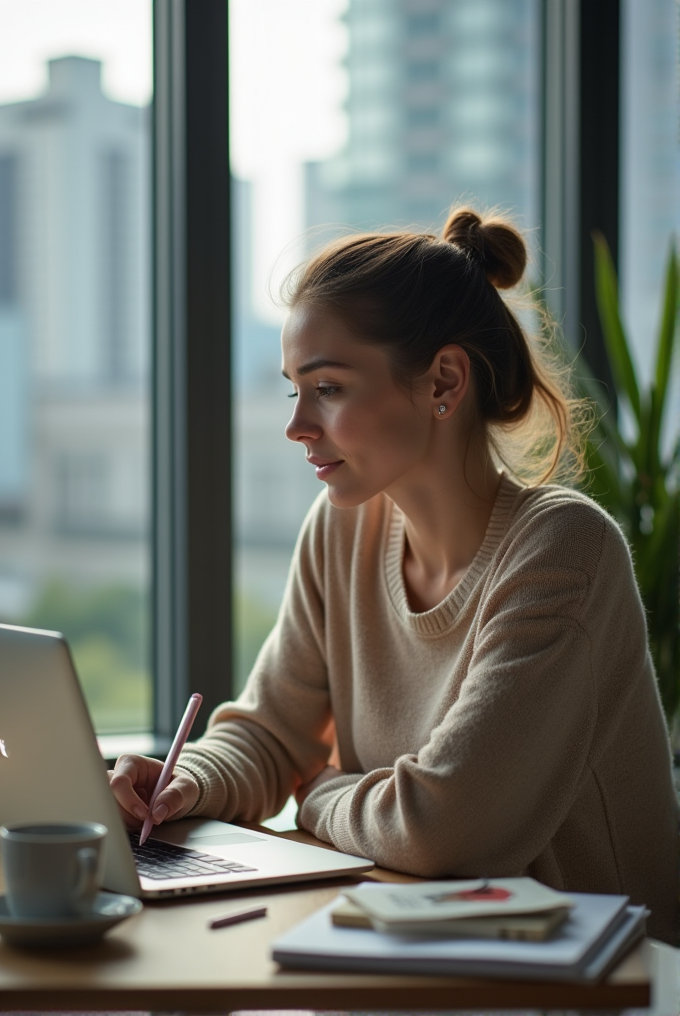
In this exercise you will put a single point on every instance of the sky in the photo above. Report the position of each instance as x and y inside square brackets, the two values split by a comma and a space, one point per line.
[118, 32]
[287, 89]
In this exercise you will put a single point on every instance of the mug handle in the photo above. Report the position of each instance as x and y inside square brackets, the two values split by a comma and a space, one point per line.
[86, 885]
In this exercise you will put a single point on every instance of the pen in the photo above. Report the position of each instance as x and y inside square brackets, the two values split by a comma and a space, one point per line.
[171, 761]
[236, 916]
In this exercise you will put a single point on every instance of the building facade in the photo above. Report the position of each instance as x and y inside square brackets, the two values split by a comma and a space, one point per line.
[74, 336]
[442, 108]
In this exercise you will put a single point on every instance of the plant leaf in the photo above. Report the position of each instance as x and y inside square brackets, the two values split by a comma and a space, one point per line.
[657, 572]
[606, 290]
[665, 348]
[606, 418]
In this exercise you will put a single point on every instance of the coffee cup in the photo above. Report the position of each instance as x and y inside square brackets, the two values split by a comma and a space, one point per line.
[52, 870]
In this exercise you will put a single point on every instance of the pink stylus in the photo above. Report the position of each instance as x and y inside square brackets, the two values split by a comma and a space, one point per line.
[181, 736]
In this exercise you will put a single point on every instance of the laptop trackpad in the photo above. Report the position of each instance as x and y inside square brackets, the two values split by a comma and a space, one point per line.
[220, 839]
[207, 833]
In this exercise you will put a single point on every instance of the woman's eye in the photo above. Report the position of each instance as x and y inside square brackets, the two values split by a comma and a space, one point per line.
[322, 391]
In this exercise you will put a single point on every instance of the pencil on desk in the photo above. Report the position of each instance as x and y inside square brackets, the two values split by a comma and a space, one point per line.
[236, 916]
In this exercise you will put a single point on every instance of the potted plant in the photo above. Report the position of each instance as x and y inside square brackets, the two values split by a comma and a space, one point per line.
[632, 471]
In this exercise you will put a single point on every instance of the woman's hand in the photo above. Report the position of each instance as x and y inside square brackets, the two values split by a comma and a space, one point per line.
[133, 781]
[303, 791]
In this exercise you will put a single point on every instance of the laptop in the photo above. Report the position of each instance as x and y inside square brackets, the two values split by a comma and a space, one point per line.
[51, 771]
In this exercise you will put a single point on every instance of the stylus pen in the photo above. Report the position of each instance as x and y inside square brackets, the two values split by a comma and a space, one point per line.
[171, 761]
[236, 916]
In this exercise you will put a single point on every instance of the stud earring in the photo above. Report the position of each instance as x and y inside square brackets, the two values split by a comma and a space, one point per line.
[441, 410]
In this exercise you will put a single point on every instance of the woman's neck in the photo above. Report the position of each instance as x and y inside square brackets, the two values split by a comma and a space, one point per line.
[446, 512]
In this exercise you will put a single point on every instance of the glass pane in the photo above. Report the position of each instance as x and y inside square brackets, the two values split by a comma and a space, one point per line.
[442, 108]
[274, 132]
[650, 153]
[75, 87]
[383, 115]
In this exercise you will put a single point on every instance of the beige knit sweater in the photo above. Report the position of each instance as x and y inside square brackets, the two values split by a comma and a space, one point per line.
[514, 728]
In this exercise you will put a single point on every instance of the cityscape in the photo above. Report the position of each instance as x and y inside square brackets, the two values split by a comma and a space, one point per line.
[442, 105]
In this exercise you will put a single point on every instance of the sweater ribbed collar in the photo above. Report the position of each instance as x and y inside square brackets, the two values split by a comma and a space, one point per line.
[440, 618]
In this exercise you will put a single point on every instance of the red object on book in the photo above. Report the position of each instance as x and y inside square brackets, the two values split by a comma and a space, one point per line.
[489, 892]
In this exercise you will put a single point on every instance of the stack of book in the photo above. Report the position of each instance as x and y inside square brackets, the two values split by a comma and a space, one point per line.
[508, 927]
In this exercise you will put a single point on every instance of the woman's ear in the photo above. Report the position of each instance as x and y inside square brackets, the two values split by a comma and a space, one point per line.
[450, 376]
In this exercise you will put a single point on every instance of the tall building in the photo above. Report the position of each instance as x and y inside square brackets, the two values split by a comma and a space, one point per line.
[74, 334]
[442, 106]
[74, 188]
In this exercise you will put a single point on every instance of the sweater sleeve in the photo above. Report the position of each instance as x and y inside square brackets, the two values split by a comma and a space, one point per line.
[257, 750]
[497, 776]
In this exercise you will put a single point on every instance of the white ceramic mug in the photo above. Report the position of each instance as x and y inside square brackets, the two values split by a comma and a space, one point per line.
[52, 870]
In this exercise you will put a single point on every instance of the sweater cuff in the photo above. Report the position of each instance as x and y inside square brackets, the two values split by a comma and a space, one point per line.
[209, 780]
[326, 812]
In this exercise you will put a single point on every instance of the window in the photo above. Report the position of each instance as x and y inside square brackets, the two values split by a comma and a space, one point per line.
[424, 71]
[400, 124]
[273, 136]
[304, 156]
[422, 24]
[75, 86]
[383, 115]
[422, 116]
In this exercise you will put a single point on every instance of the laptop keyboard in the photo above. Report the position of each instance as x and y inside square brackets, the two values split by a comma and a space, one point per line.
[156, 859]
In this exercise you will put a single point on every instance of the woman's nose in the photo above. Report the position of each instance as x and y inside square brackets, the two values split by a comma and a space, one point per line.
[301, 427]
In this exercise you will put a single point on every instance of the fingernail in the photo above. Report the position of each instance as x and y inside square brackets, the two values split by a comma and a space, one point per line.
[159, 812]
[139, 811]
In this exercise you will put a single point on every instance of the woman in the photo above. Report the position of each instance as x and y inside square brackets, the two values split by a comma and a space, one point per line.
[467, 639]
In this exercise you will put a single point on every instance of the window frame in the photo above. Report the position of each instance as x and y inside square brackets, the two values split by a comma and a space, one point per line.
[192, 415]
[580, 163]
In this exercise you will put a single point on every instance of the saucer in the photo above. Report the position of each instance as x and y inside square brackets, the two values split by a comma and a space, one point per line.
[108, 910]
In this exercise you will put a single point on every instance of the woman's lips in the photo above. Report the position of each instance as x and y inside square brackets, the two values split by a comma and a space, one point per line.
[323, 468]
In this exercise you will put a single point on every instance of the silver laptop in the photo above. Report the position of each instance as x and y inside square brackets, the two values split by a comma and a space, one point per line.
[51, 770]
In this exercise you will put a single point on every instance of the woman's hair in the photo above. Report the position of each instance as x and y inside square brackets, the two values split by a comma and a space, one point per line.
[413, 293]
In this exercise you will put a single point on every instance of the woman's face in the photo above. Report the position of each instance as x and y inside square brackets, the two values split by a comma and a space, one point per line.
[362, 432]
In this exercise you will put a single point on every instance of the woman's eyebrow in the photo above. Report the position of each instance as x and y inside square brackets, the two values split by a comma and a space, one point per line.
[318, 364]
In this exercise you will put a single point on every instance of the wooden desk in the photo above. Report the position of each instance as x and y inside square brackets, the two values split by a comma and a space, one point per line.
[166, 959]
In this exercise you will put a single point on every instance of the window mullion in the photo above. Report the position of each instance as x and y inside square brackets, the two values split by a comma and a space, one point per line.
[192, 398]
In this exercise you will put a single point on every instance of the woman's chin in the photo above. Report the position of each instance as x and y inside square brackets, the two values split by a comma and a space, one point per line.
[344, 498]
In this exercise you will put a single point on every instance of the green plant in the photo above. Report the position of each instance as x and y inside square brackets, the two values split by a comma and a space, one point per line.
[635, 478]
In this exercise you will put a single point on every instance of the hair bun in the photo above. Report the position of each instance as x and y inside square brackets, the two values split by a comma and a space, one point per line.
[497, 245]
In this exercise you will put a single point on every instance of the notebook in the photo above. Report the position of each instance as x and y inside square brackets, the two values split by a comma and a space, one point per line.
[597, 933]
[51, 770]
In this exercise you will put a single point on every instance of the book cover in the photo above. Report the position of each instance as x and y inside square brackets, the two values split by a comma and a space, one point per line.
[522, 927]
[403, 906]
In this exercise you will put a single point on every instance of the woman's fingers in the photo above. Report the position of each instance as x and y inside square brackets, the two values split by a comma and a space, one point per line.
[130, 821]
[177, 799]
[133, 781]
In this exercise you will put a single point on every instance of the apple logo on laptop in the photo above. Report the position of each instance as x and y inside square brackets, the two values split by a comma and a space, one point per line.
[3, 749]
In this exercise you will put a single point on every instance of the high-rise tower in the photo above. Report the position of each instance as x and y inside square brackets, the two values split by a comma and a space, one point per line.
[73, 170]
[442, 106]
[74, 329]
